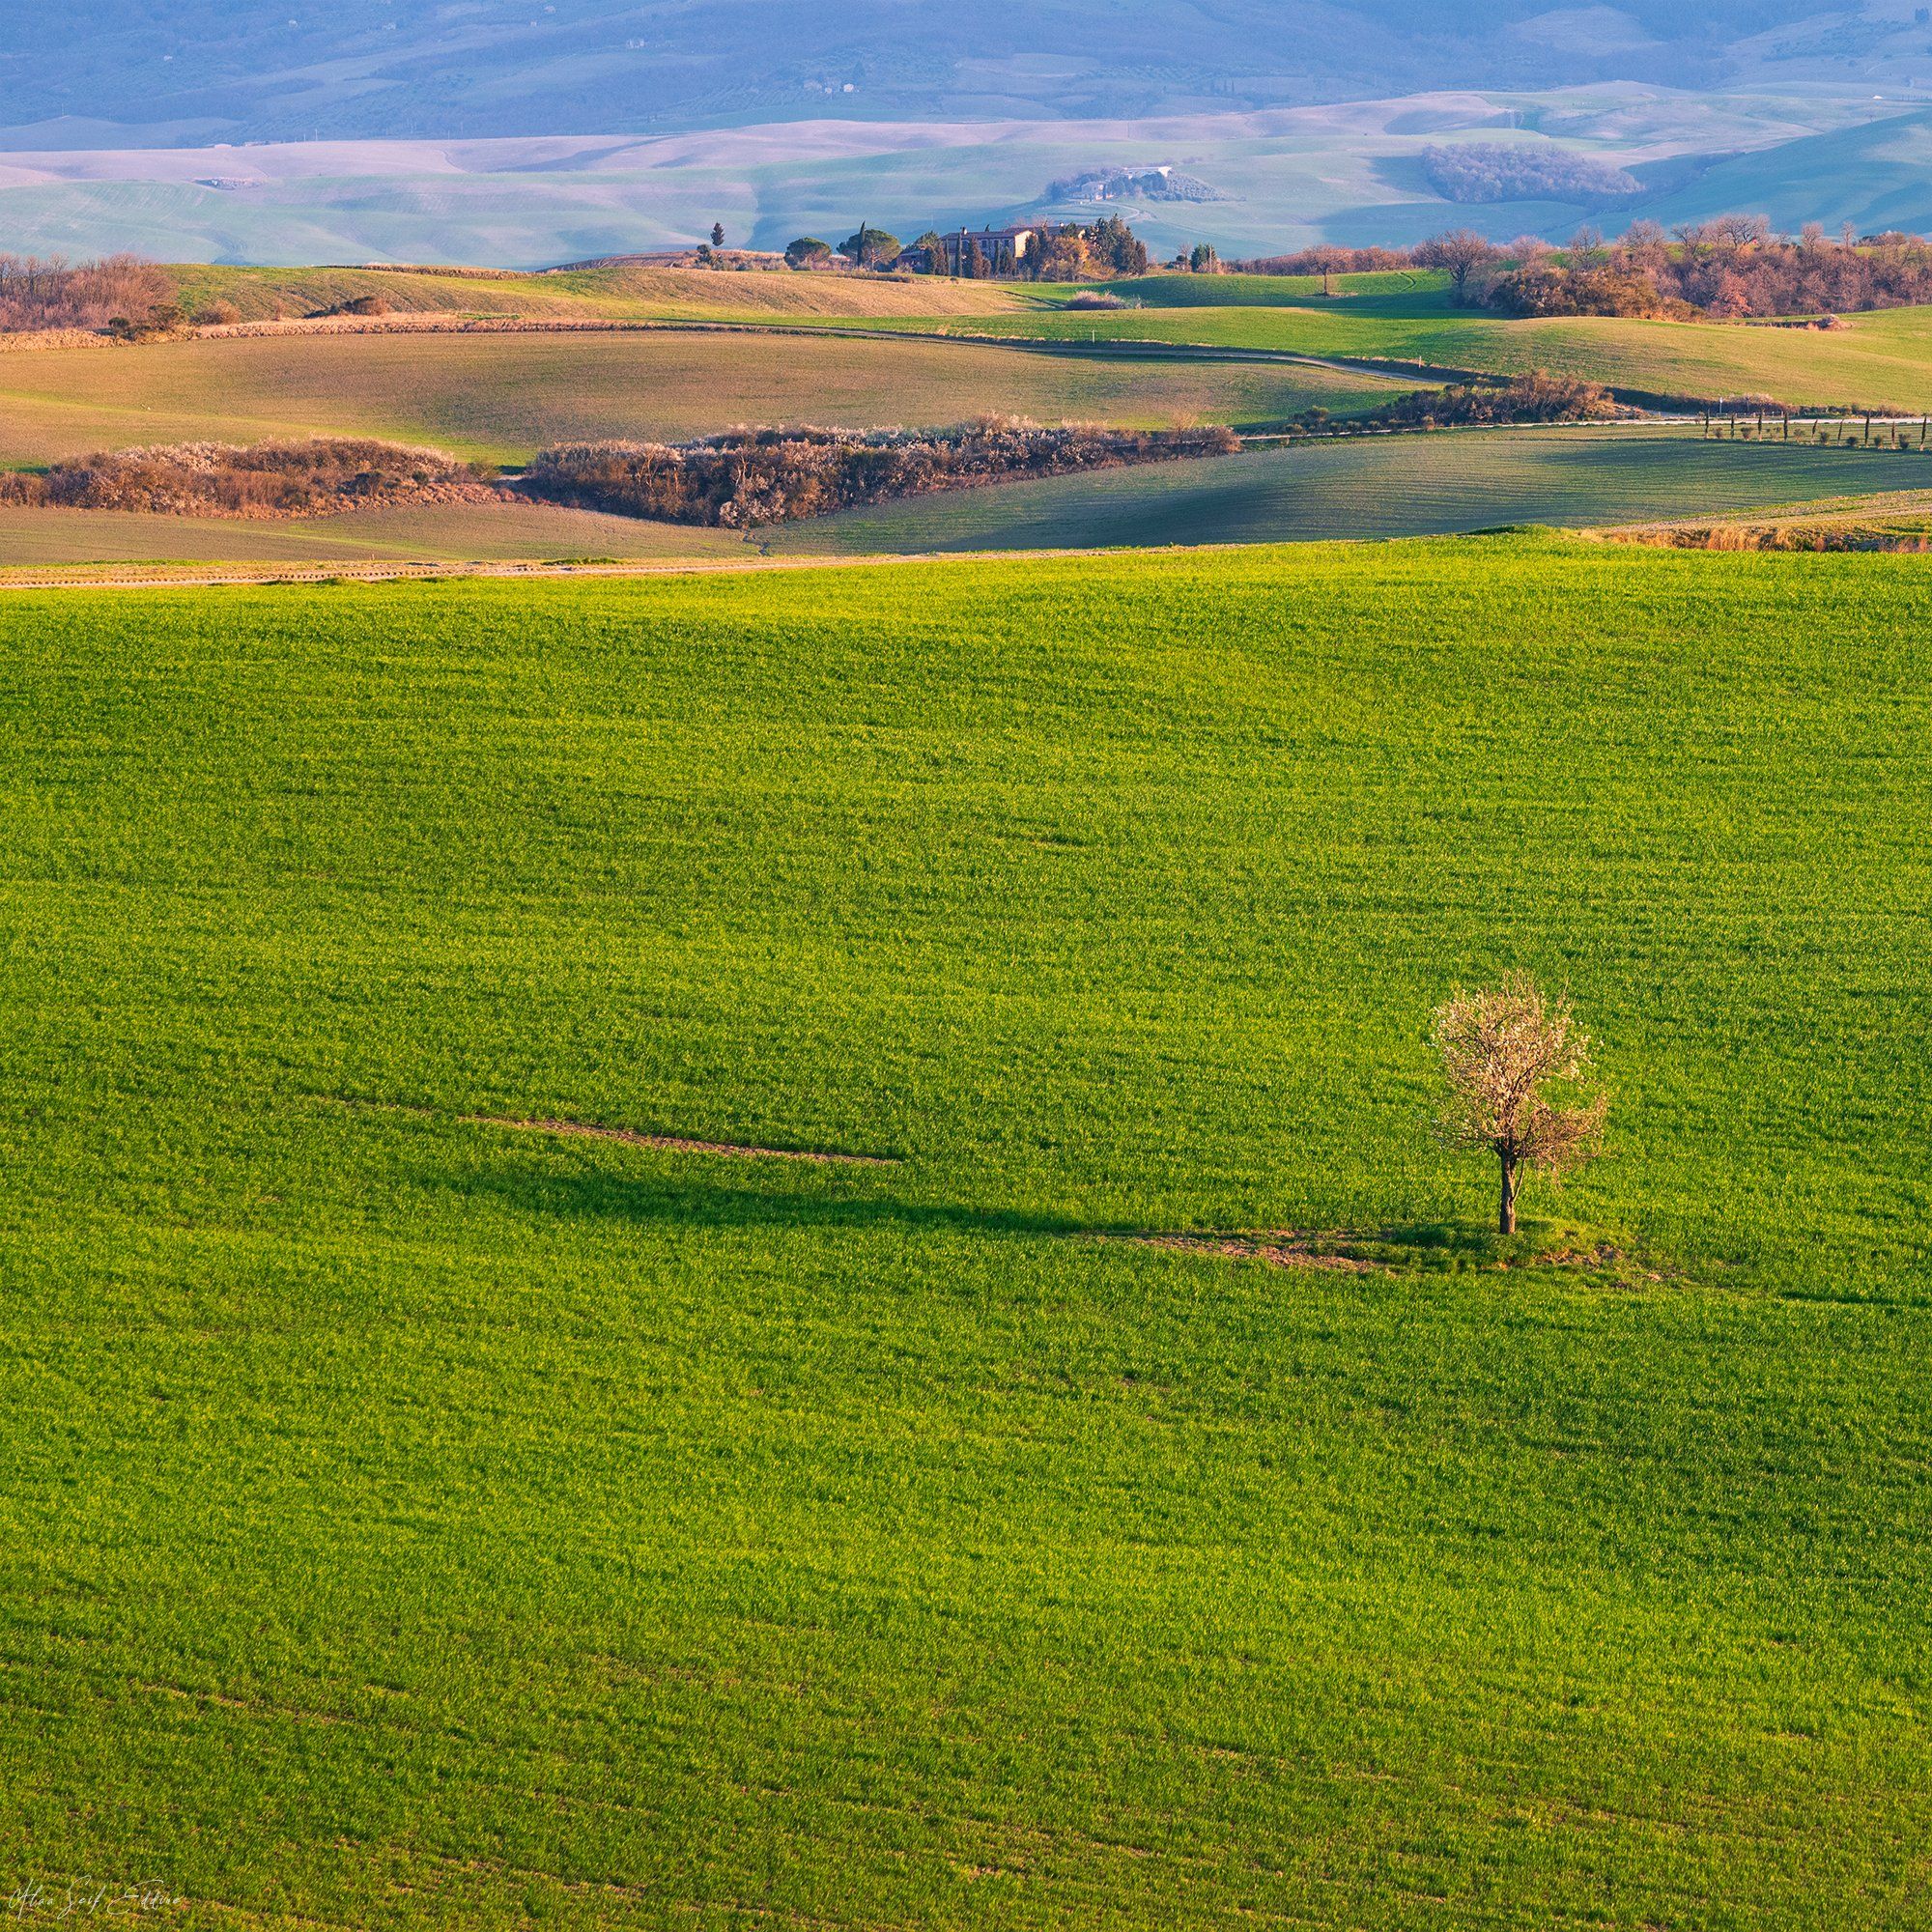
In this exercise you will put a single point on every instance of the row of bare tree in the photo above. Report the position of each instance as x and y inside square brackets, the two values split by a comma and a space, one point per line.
[55, 293]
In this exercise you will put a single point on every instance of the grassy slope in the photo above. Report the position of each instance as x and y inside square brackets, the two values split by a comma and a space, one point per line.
[632, 293]
[1349, 489]
[1392, 487]
[503, 396]
[417, 1523]
[1233, 291]
[1884, 359]
[440, 532]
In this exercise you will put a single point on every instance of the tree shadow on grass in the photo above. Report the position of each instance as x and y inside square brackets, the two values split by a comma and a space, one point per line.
[747, 1200]
[774, 1202]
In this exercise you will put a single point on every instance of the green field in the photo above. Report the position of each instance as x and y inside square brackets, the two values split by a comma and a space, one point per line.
[1236, 291]
[1348, 488]
[503, 397]
[1369, 488]
[1881, 359]
[414, 1523]
[510, 532]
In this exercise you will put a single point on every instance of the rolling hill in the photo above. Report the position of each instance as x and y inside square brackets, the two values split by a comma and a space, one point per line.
[418, 1521]
[1362, 491]
[502, 397]
[254, 70]
[1881, 359]
[1280, 177]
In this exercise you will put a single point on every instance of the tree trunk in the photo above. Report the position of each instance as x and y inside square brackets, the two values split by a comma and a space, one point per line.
[1506, 1212]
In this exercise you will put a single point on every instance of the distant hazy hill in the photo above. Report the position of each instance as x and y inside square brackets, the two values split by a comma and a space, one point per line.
[190, 71]
[1360, 172]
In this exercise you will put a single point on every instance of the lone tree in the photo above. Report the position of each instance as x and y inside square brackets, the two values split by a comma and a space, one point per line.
[1500, 1048]
[718, 235]
[1461, 252]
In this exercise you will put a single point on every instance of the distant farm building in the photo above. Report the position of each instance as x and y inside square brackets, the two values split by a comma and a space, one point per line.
[1000, 249]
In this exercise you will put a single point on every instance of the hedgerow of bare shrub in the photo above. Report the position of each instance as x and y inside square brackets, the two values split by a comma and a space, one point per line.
[1536, 398]
[750, 477]
[272, 479]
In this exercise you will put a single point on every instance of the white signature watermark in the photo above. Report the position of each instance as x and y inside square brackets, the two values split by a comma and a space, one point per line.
[36, 1899]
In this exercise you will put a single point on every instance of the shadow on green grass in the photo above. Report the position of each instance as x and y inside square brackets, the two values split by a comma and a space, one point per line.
[717, 1200]
[793, 1202]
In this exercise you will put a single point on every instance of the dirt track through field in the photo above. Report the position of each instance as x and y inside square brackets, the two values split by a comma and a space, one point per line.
[62, 578]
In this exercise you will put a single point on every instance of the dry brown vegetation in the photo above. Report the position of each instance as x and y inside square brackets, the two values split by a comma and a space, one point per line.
[740, 480]
[1329, 259]
[1730, 269]
[273, 479]
[747, 478]
[53, 294]
[1536, 398]
[1911, 534]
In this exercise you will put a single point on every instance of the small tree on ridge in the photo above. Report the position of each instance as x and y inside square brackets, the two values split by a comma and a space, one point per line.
[1501, 1047]
[1461, 252]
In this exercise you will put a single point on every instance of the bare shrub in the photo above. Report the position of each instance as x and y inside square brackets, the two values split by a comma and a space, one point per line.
[1328, 258]
[750, 477]
[1540, 288]
[1536, 398]
[1458, 254]
[51, 294]
[1502, 1048]
[273, 479]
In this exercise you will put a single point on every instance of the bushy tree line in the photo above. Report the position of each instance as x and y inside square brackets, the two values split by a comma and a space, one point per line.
[1731, 268]
[747, 478]
[1737, 267]
[1485, 171]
